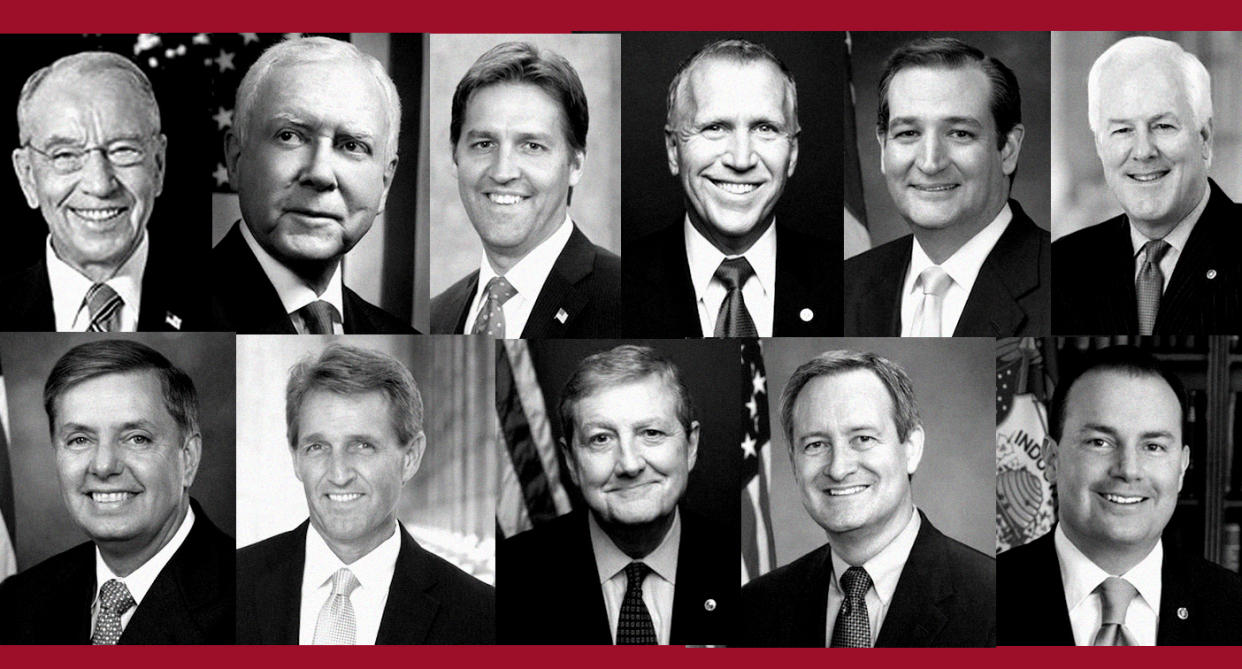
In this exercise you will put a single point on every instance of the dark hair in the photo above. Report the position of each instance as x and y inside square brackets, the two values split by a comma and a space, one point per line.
[1122, 359]
[346, 370]
[894, 378]
[522, 62]
[951, 53]
[739, 51]
[122, 356]
[622, 364]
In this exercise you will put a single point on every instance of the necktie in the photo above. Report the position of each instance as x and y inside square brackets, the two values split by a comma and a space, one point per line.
[634, 625]
[104, 307]
[1116, 595]
[734, 320]
[490, 320]
[1149, 285]
[336, 624]
[934, 282]
[114, 601]
[853, 628]
[318, 316]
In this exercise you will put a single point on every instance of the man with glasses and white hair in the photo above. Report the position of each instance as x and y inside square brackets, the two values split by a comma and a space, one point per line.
[92, 161]
[1169, 264]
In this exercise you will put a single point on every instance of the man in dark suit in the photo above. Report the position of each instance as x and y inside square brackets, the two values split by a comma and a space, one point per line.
[1169, 263]
[518, 130]
[1104, 575]
[950, 131]
[98, 271]
[632, 568]
[352, 574]
[312, 154]
[728, 268]
[124, 423]
[886, 577]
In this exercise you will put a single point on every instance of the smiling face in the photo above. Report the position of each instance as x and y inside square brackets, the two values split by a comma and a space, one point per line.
[939, 154]
[630, 455]
[123, 463]
[733, 145]
[514, 166]
[316, 166]
[1155, 156]
[352, 467]
[851, 467]
[97, 214]
[1119, 464]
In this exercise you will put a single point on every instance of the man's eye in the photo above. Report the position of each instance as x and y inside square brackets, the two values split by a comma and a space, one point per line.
[535, 147]
[814, 447]
[715, 130]
[905, 134]
[962, 134]
[482, 145]
[141, 440]
[652, 434]
[865, 440]
[767, 129]
[600, 439]
[1122, 131]
[1098, 443]
[288, 137]
[355, 146]
[1155, 447]
[78, 441]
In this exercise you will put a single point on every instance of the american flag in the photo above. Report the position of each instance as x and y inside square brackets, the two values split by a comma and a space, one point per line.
[857, 235]
[8, 556]
[758, 548]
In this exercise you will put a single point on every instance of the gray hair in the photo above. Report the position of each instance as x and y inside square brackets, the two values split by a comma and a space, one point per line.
[1195, 77]
[739, 51]
[87, 62]
[620, 365]
[900, 389]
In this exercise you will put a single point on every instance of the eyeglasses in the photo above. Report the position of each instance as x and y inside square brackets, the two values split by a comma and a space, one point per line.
[70, 159]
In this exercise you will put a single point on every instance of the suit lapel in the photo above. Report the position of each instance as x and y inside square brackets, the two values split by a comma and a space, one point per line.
[1189, 288]
[279, 594]
[410, 610]
[1008, 272]
[250, 301]
[1178, 610]
[560, 301]
[793, 290]
[915, 616]
[880, 313]
[463, 310]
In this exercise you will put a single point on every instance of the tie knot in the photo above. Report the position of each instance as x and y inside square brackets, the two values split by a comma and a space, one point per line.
[934, 281]
[319, 317]
[500, 289]
[635, 574]
[1156, 249]
[114, 597]
[1117, 594]
[734, 272]
[344, 582]
[855, 582]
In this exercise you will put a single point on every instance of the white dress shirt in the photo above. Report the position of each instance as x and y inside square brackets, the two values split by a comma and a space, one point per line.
[526, 277]
[658, 587]
[373, 571]
[293, 292]
[962, 267]
[139, 581]
[884, 569]
[69, 288]
[1081, 577]
[1176, 239]
[759, 291]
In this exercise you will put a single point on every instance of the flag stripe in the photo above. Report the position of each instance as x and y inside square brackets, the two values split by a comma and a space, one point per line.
[758, 547]
[515, 432]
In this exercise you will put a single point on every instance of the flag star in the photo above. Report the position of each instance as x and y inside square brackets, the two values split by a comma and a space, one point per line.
[748, 447]
[249, 37]
[145, 41]
[758, 384]
[201, 38]
[224, 60]
[221, 175]
[753, 407]
[223, 118]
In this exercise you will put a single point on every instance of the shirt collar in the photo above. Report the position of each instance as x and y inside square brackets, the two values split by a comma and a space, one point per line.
[139, 582]
[293, 292]
[1081, 576]
[528, 274]
[610, 560]
[885, 567]
[1180, 233]
[69, 287]
[704, 258]
[373, 570]
[964, 265]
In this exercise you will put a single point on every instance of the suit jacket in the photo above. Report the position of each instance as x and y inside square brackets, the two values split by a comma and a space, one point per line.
[548, 589]
[1031, 600]
[945, 597]
[430, 601]
[580, 298]
[190, 602]
[244, 301]
[170, 302]
[1010, 297]
[1095, 278]
[660, 300]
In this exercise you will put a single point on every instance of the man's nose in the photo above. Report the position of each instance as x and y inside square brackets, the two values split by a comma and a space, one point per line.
[932, 156]
[630, 461]
[1125, 465]
[98, 173]
[104, 459]
[340, 467]
[317, 171]
[1144, 145]
[841, 463]
[504, 167]
[740, 153]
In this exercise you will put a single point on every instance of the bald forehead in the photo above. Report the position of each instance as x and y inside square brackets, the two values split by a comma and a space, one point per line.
[714, 73]
[66, 92]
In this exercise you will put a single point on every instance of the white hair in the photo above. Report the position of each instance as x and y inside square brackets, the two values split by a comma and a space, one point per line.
[1195, 78]
[297, 50]
[82, 64]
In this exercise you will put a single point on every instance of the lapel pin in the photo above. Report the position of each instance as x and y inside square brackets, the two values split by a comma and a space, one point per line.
[806, 315]
[709, 605]
[172, 319]
[1211, 274]
[1182, 613]
[561, 316]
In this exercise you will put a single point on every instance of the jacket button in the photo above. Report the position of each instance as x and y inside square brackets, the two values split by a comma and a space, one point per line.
[710, 605]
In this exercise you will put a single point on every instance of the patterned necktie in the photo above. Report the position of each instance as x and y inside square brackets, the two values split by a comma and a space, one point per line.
[733, 320]
[1116, 595]
[634, 626]
[104, 307]
[1149, 285]
[490, 320]
[934, 282]
[114, 601]
[318, 316]
[336, 624]
[853, 627]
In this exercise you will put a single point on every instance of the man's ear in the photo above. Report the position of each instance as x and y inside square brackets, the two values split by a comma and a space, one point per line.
[25, 177]
[1207, 135]
[413, 458]
[914, 449]
[692, 445]
[1185, 463]
[1011, 149]
[191, 455]
[161, 148]
[390, 170]
[232, 153]
[879, 139]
